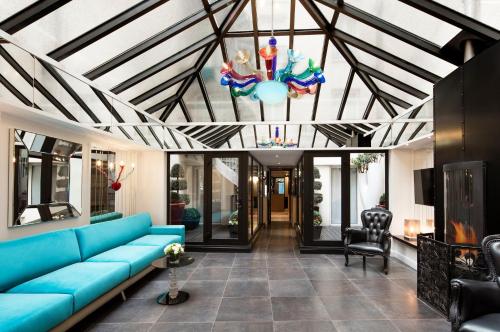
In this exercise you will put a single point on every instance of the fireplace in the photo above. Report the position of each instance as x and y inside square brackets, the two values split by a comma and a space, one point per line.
[464, 202]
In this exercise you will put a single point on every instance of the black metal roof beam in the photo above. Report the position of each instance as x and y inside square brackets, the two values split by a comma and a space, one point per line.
[155, 40]
[412, 115]
[385, 136]
[233, 99]
[225, 138]
[290, 46]
[346, 94]
[387, 28]
[189, 142]
[255, 35]
[192, 129]
[216, 133]
[104, 29]
[173, 138]
[30, 14]
[255, 135]
[314, 137]
[336, 139]
[211, 17]
[267, 33]
[206, 98]
[415, 133]
[185, 110]
[334, 132]
[164, 103]
[322, 64]
[193, 48]
[152, 131]
[369, 107]
[33, 81]
[17, 93]
[339, 131]
[52, 71]
[386, 56]
[346, 53]
[455, 18]
[163, 86]
[204, 131]
[394, 99]
[392, 81]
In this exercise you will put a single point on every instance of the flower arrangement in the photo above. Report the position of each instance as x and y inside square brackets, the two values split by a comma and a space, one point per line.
[233, 219]
[174, 252]
[317, 218]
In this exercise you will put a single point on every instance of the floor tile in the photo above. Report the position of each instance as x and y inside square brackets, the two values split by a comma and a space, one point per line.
[245, 309]
[324, 272]
[405, 307]
[135, 311]
[246, 288]
[365, 325]
[284, 273]
[295, 308]
[182, 273]
[348, 307]
[334, 288]
[222, 261]
[379, 287]
[243, 327]
[248, 274]
[250, 262]
[315, 262]
[204, 287]
[291, 288]
[201, 309]
[301, 326]
[121, 327]
[427, 325]
[181, 327]
[210, 273]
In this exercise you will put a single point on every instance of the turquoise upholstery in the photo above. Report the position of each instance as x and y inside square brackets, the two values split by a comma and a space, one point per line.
[156, 240]
[33, 312]
[106, 217]
[138, 257]
[97, 238]
[30, 257]
[85, 281]
[169, 230]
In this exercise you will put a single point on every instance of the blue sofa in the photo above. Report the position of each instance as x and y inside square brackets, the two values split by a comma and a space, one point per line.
[106, 217]
[48, 279]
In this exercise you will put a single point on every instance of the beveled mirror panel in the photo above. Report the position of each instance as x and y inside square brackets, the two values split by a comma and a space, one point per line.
[45, 179]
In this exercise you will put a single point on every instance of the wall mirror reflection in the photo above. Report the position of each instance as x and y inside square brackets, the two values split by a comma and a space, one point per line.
[45, 179]
[102, 196]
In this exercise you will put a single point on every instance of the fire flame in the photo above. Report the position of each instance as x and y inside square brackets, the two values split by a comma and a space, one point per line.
[464, 234]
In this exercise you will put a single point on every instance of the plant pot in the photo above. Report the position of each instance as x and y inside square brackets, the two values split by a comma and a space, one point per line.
[191, 224]
[233, 231]
[176, 213]
[317, 232]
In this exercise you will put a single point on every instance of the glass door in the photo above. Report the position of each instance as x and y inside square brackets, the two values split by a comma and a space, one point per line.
[226, 220]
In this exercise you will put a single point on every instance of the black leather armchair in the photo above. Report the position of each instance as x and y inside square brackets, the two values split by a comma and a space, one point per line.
[373, 239]
[475, 305]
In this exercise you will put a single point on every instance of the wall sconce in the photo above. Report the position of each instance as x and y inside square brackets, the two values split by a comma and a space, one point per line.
[411, 229]
[116, 181]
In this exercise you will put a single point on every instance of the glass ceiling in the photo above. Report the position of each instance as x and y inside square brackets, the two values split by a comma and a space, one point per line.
[158, 62]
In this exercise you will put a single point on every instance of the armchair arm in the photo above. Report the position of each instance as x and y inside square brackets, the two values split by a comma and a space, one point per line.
[471, 299]
[386, 242]
[169, 230]
[353, 235]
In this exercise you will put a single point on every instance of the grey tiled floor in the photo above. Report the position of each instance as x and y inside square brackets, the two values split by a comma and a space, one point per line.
[274, 288]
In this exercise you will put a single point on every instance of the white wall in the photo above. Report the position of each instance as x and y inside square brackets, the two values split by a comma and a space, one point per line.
[26, 118]
[402, 199]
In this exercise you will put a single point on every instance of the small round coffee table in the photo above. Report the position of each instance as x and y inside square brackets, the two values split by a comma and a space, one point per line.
[174, 295]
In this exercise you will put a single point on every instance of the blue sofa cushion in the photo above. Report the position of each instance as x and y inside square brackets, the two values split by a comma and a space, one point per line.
[97, 238]
[138, 257]
[169, 230]
[33, 312]
[156, 240]
[86, 281]
[30, 257]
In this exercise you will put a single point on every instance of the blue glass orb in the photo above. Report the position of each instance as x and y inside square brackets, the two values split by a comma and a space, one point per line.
[271, 92]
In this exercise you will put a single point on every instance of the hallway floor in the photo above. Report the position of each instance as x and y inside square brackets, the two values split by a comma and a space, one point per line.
[274, 288]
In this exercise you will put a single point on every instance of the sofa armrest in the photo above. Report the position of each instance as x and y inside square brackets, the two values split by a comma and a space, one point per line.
[353, 235]
[471, 299]
[169, 230]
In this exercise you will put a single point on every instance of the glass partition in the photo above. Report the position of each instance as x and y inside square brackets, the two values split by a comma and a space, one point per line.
[102, 196]
[225, 197]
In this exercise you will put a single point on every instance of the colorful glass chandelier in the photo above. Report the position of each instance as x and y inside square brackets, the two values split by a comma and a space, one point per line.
[276, 85]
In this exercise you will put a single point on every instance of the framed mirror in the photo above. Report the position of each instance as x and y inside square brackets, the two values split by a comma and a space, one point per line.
[45, 179]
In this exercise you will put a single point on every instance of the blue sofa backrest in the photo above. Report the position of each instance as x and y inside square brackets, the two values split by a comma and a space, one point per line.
[30, 257]
[97, 238]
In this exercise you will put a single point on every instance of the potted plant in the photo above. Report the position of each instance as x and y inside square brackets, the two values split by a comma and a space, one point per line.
[191, 218]
[177, 200]
[363, 160]
[174, 251]
[382, 201]
[233, 225]
[317, 185]
[317, 220]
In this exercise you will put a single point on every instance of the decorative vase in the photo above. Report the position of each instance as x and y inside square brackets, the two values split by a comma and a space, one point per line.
[174, 259]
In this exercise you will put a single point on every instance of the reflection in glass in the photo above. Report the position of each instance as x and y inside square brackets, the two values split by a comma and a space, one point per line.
[327, 199]
[225, 217]
[186, 194]
[46, 176]
[102, 197]
[367, 182]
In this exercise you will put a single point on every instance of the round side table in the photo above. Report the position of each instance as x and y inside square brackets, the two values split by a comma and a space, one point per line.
[174, 295]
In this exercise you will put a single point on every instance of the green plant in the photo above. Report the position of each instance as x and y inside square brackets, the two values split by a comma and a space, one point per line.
[185, 198]
[177, 171]
[318, 198]
[177, 185]
[317, 185]
[317, 220]
[316, 173]
[383, 199]
[191, 214]
[363, 160]
[174, 197]
[233, 219]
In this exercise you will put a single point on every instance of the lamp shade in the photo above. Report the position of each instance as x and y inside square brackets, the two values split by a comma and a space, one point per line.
[271, 92]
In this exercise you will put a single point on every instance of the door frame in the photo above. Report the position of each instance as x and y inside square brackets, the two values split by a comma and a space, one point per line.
[269, 210]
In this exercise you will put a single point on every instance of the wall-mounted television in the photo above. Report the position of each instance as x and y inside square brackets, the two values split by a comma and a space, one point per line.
[423, 182]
